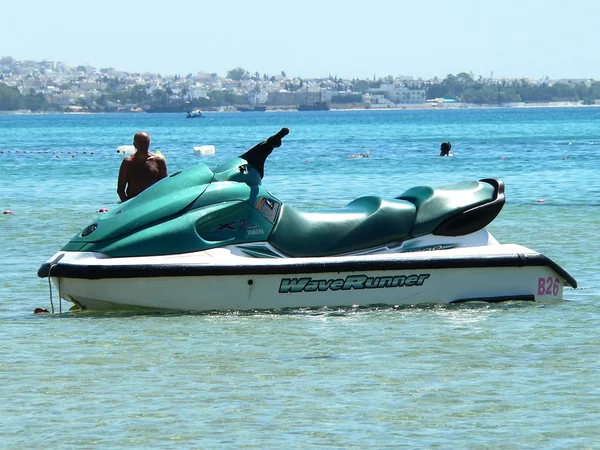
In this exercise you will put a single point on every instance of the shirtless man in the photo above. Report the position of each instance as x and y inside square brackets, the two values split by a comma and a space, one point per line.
[140, 170]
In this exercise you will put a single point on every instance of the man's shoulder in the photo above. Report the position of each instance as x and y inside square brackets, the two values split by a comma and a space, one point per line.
[156, 156]
[158, 159]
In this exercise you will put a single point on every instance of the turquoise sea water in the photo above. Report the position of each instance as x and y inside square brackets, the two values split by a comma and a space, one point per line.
[498, 376]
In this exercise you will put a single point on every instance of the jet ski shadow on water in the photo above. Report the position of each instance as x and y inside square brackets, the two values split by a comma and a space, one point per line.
[214, 240]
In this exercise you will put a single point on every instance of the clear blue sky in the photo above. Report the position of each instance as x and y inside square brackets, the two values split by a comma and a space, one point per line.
[347, 38]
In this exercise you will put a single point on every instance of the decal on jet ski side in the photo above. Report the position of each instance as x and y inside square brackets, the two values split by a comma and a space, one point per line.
[548, 286]
[429, 248]
[268, 208]
[308, 284]
[241, 224]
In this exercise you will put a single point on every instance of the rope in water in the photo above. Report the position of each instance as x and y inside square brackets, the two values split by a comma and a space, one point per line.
[50, 288]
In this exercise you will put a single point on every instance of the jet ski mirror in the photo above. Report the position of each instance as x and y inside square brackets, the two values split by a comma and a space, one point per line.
[258, 154]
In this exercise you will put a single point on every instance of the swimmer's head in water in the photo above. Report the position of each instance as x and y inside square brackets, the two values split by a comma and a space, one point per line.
[445, 148]
[141, 141]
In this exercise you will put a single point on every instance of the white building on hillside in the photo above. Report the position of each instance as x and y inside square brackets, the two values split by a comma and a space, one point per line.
[206, 76]
[195, 93]
[378, 101]
[401, 94]
[258, 98]
[574, 81]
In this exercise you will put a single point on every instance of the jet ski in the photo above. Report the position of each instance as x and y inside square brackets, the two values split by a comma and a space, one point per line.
[214, 240]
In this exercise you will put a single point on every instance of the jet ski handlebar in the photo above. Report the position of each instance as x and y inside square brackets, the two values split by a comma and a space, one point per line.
[258, 154]
[275, 140]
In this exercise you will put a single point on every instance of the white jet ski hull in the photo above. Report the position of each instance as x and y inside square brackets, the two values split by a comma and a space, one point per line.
[223, 280]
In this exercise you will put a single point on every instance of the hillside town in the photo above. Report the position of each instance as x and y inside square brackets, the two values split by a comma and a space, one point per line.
[55, 86]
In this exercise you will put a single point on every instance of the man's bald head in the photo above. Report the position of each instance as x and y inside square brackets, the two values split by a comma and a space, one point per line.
[141, 141]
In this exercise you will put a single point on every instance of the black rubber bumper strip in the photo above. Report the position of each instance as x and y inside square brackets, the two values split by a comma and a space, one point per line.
[97, 272]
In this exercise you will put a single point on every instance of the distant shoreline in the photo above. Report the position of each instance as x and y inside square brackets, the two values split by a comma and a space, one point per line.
[410, 107]
[455, 106]
[430, 107]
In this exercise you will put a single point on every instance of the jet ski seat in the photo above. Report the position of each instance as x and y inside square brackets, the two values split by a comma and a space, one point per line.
[366, 222]
[455, 210]
[369, 222]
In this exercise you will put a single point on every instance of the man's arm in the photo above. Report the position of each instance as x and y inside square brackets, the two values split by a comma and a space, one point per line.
[122, 181]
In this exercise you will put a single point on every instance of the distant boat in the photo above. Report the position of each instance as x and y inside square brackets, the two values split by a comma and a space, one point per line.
[251, 108]
[194, 114]
[319, 106]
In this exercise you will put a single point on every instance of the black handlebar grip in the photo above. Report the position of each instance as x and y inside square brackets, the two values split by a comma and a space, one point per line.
[282, 133]
[258, 154]
[275, 140]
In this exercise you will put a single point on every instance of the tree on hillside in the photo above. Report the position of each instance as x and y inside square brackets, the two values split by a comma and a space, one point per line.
[10, 98]
[34, 102]
[238, 74]
[464, 78]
